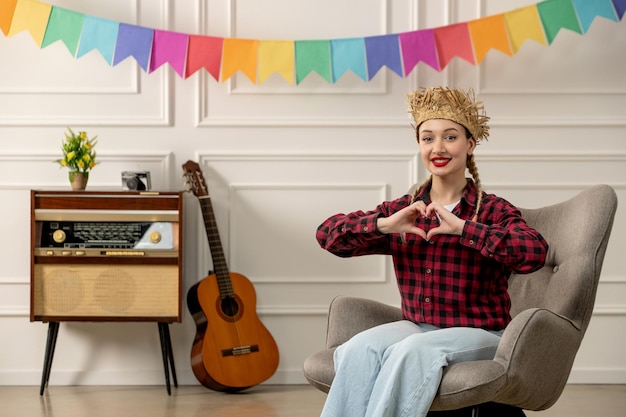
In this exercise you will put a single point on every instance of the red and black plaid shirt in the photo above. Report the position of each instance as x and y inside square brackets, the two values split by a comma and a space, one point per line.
[450, 280]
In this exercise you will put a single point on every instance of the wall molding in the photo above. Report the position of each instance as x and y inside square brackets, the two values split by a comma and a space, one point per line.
[164, 159]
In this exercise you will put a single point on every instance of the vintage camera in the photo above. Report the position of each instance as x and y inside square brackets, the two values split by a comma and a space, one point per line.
[136, 180]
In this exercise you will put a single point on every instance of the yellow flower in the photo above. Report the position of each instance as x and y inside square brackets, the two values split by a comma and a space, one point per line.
[78, 151]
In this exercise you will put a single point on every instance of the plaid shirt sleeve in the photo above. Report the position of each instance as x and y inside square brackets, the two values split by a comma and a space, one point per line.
[505, 237]
[355, 234]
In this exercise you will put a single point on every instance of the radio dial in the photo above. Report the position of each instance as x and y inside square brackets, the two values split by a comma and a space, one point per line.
[155, 237]
[59, 236]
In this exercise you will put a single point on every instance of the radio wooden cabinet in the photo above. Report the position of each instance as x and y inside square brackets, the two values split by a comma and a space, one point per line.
[106, 256]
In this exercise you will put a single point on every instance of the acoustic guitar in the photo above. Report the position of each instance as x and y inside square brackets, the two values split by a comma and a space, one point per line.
[232, 349]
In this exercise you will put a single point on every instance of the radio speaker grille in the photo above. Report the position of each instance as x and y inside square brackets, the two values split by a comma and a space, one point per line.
[74, 291]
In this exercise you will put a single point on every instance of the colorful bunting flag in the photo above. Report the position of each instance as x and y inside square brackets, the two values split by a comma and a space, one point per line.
[419, 46]
[32, 16]
[170, 47]
[276, 56]
[524, 24]
[204, 52]
[348, 54]
[557, 15]
[313, 56]
[488, 33]
[7, 8]
[135, 41]
[453, 40]
[587, 11]
[620, 8]
[383, 51]
[295, 60]
[66, 26]
[240, 55]
[99, 34]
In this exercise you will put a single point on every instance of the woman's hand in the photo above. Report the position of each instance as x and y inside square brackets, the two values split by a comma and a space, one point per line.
[403, 221]
[449, 224]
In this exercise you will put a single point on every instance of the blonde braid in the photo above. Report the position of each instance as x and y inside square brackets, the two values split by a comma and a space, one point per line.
[421, 187]
[473, 170]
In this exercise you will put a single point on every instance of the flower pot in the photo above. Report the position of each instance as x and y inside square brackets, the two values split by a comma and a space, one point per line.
[78, 180]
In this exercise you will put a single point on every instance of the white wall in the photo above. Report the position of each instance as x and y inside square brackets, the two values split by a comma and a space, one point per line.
[279, 159]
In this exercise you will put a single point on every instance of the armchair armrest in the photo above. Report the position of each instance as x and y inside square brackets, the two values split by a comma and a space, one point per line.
[348, 316]
[537, 351]
[529, 370]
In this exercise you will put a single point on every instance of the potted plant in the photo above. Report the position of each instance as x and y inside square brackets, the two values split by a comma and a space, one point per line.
[79, 156]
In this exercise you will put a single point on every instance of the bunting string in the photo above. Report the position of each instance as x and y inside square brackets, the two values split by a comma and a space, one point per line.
[294, 60]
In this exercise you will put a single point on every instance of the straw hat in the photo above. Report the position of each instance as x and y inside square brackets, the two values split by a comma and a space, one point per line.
[454, 104]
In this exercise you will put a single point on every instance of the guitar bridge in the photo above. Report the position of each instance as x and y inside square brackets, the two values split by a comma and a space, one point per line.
[240, 350]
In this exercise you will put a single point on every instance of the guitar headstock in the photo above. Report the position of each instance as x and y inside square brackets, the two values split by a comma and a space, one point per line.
[194, 179]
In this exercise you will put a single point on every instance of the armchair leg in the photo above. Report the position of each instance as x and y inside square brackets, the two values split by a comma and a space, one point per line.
[461, 412]
[482, 410]
[497, 410]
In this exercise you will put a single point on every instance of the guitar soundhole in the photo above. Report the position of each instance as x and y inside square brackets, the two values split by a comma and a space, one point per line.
[230, 308]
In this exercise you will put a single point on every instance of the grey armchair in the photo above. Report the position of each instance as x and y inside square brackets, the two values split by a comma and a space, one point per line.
[551, 310]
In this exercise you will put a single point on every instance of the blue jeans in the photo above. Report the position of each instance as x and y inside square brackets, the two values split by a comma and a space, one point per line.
[394, 370]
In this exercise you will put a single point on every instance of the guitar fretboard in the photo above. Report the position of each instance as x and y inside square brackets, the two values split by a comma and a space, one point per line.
[217, 251]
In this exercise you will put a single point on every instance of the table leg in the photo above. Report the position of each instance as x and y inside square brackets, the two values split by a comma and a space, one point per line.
[53, 332]
[168, 356]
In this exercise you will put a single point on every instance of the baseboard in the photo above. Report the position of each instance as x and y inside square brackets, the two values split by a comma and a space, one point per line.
[597, 376]
[119, 377]
[186, 377]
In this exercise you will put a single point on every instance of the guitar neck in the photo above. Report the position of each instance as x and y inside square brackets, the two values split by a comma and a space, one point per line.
[217, 251]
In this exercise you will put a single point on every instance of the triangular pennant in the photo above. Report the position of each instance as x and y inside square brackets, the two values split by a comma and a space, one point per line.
[620, 8]
[383, 51]
[276, 56]
[556, 15]
[169, 47]
[240, 55]
[32, 16]
[7, 8]
[66, 26]
[313, 56]
[587, 11]
[99, 34]
[487, 33]
[453, 40]
[135, 41]
[418, 46]
[524, 24]
[204, 52]
[348, 54]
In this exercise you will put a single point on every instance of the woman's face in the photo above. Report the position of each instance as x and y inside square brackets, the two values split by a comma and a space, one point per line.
[444, 147]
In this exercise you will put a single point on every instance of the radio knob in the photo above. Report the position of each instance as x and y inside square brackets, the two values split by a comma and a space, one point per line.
[155, 237]
[58, 236]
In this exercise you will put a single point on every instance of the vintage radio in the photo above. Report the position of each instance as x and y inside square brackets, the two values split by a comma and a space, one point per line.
[110, 256]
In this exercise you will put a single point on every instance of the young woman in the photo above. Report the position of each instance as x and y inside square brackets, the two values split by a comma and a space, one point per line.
[453, 247]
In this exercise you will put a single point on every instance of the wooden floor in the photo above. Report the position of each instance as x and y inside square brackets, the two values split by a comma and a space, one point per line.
[260, 401]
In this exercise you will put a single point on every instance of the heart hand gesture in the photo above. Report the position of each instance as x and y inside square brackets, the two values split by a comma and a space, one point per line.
[403, 221]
